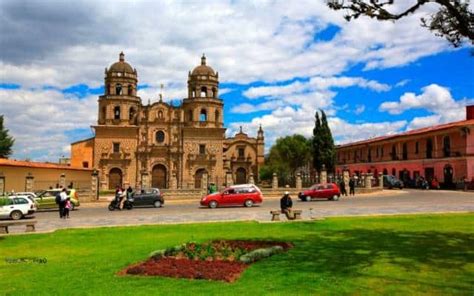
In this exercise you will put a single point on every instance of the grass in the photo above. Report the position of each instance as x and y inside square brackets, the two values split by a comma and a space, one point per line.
[402, 255]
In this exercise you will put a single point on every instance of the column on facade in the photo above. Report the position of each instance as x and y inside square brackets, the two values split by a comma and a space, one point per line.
[145, 180]
[251, 179]
[204, 180]
[323, 175]
[380, 180]
[228, 179]
[174, 182]
[95, 185]
[346, 178]
[368, 181]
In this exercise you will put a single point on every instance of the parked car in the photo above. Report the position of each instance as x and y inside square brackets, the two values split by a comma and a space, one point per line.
[390, 182]
[16, 207]
[328, 191]
[236, 195]
[47, 198]
[148, 197]
[31, 195]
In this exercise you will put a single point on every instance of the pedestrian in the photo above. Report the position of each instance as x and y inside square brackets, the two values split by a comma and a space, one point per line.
[63, 197]
[285, 205]
[352, 186]
[67, 208]
[342, 187]
[129, 192]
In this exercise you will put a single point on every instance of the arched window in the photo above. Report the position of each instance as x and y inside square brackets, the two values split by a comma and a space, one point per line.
[118, 89]
[394, 152]
[190, 115]
[109, 89]
[214, 92]
[130, 90]
[117, 112]
[429, 148]
[203, 115]
[203, 92]
[160, 136]
[405, 151]
[103, 113]
[131, 113]
[217, 115]
[193, 94]
[160, 114]
[446, 146]
[211, 93]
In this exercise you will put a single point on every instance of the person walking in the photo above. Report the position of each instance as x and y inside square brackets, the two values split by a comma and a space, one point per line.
[63, 197]
[67, 208]
[352, 186]
[342, 187]
[285, 205]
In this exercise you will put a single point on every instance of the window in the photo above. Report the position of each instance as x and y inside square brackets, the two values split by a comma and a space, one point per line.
[241, 152]
[394, 172]
[377, 152]
[160, 136]
[446, 146]
[394, 152]
[417, 147]
[203, 92]
[85, 164]
[20, 201]
[214, 92]
[202, 149]
[103, 113]
[130, 90]
[116, 148]
[405, 151]
[429, 148]
[117, 112]
[118, 89]
[203, 115]
[131, 113]
[381, 151]
[369, 155]
[190, 115]
[217, 116]
[193, 94]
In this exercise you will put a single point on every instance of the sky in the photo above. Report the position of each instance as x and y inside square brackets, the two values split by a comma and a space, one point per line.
[278, 61]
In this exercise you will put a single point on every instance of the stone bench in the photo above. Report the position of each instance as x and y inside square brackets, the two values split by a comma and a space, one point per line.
[276, 215]
[30, 225]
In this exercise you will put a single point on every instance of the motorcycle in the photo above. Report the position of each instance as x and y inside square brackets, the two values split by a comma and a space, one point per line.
[115, 204]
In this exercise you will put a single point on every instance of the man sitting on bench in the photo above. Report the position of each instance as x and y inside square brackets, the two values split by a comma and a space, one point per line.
[285, 204]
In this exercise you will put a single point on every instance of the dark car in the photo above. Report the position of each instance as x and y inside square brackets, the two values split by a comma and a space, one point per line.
[328, 191]
[148, 197]
[390, 182]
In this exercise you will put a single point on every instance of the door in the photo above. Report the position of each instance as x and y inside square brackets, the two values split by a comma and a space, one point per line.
[241, 176]
[158, 176]
[198, 178]
[448, 175]
[115, 178]
[429, 173]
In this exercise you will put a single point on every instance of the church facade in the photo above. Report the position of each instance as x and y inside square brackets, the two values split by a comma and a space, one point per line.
[162, 145]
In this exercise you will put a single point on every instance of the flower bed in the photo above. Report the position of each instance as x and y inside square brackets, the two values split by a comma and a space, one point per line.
[216, 260]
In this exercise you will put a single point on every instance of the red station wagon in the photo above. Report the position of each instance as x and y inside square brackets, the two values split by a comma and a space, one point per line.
[329, 191]
[237, 195]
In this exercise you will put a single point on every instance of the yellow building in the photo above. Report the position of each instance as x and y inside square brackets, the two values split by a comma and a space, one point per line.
[162, 145]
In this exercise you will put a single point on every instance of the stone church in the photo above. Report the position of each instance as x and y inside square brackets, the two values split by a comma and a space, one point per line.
[163, 145]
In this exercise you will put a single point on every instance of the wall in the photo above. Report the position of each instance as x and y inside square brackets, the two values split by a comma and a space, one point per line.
[81, 152]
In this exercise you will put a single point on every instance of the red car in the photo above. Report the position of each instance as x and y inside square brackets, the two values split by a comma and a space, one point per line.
[329, 191]
[237, 195]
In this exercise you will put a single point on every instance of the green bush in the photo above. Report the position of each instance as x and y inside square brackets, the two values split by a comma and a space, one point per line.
[258, 254]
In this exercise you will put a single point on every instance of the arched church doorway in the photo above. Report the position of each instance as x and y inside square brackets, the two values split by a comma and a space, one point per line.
[158, 176]
[198, 178]
[241, 176]
[115, 178]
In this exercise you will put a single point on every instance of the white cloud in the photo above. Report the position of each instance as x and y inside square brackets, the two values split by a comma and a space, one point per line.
[359, 109]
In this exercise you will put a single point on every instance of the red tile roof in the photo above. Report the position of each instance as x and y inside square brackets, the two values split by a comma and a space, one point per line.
[42, 165]
[411, 133]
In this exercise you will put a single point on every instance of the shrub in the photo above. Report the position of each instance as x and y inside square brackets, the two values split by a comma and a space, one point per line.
[258, 254]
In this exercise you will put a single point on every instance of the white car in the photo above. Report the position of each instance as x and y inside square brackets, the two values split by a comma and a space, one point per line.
[17, 207]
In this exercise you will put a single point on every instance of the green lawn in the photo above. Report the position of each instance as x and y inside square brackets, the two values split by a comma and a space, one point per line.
[413, 254]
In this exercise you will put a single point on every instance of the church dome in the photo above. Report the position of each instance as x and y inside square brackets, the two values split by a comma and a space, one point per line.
[203, 69]
[121, 65]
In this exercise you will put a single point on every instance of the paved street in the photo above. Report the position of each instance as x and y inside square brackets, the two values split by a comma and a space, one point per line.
[387, 202]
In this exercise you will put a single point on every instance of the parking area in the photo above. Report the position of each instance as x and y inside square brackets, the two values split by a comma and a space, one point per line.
[383, 203]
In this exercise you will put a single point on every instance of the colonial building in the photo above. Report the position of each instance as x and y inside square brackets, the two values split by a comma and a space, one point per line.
[162, 145]
[444, 151]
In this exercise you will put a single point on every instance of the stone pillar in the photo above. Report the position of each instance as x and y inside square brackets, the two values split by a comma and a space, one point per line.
[95, 185]
[228, 179]
[299, 182]
[251, 179]
[275, 181]
[381, 180]
[145, 181]
[173, 182]
[323, 175]
[368, 181]
[29, 183]
[346, 178]
[2, 184]
[62, 180]
[204, 180]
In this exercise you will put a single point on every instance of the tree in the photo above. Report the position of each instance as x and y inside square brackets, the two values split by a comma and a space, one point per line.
[286, 156]
[452, 21]
[6, 142]
[324, 151]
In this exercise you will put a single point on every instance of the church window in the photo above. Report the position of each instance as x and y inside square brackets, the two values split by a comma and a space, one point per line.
[203, 115]
[241, 152]
[130, 90]
[160, 114]
[202, 149]
[131, 113]
[109, 89]
[190, 115]
[211, 93]
[203, 92]
[85, 164]
[103, 113]
[214, 92]
[193, 94]
[160, 136]
[117, 112]
[116, 148]
[118, 89]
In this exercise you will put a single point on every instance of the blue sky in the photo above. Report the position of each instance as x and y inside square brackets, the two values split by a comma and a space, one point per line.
[278, 63]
